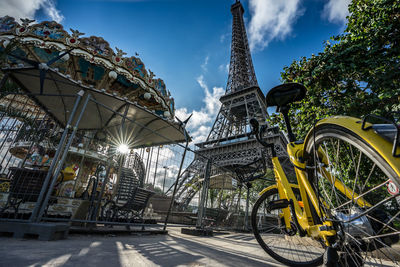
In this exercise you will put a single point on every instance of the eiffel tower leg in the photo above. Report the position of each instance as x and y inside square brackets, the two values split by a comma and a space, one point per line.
[238, 207]
[246, 218]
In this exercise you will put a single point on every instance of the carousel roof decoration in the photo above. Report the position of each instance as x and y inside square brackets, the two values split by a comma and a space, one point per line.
[45, 60]
[90, 60]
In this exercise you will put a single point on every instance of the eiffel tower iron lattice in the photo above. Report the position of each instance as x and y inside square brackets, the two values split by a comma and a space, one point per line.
[229, 144]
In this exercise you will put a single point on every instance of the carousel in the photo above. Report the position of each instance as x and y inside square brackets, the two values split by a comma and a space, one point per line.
[73, 114]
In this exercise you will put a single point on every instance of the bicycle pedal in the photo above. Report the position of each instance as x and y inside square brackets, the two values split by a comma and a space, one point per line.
[278, 204]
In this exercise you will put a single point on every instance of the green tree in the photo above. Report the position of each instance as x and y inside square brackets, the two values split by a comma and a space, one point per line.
[357, 73]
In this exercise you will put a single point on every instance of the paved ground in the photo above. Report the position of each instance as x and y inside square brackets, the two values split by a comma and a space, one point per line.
[174, 249]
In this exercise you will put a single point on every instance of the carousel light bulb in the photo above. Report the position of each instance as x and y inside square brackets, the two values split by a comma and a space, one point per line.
[123, 149]
[147, 96]
[113, 75]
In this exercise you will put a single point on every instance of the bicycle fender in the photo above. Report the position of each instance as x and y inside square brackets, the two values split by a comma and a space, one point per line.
[377, 142]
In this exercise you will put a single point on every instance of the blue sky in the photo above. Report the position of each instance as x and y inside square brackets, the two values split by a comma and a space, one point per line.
[187, 42]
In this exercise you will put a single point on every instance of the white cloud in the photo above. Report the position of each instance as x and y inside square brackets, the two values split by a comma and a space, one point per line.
[51, 10]
[199, 124]
[224, 37]
[224, 68]
[204, 65]
[212, 99]
[27, 9]
[271, 19]
[201, 134]
[336, 10]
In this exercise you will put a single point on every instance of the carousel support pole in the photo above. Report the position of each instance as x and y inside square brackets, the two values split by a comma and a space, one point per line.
[202, 204]
[147, 165]
[142, 153]
[123, 128]
[148, 170]
[177, 179]
[155, 171]
[80, 170]
[55, 159]
[103, 186]
[63, 157]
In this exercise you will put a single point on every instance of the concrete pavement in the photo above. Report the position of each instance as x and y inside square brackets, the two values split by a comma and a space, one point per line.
[174, 249]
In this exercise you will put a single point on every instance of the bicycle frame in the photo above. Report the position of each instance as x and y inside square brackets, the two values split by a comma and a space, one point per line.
[303, 214]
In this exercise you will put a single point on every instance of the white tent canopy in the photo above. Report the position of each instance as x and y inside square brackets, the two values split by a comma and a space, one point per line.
[103, 112]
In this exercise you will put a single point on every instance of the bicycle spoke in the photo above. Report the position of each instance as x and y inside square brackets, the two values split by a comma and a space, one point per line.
[365, 193]
[289, 246]
[371, 209]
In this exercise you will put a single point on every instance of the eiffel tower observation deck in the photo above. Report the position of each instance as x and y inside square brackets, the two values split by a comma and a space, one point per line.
[229, 143]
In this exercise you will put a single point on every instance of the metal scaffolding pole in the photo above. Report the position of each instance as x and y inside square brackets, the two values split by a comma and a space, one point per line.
[202, 204]
[177, 179]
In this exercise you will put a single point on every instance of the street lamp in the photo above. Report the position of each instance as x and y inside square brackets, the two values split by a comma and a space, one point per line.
[165, 174]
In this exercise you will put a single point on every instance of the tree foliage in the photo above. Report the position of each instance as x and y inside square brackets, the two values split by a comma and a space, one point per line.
[357, 73]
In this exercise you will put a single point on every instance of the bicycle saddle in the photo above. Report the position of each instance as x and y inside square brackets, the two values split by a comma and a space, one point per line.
[284, 94]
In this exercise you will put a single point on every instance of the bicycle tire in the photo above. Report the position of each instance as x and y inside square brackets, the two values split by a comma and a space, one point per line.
[356, 164]
[279, 250]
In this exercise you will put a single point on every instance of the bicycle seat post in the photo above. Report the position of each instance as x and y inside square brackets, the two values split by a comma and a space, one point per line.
[285, 110]
[281, 96]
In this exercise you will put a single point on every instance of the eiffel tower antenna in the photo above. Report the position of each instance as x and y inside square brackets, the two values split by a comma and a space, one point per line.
[229, 143]
[243, 98]
[241, 70]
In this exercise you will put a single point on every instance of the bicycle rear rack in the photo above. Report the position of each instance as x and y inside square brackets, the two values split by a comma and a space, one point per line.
[389, 131]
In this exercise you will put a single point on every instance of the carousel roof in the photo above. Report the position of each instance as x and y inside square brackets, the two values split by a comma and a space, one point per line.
[52, 67]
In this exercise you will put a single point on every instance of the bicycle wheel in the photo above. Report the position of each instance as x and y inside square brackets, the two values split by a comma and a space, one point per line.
[285, 246]
[365, 233]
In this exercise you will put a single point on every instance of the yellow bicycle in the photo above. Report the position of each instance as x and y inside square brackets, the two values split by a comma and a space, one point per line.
[344, 208]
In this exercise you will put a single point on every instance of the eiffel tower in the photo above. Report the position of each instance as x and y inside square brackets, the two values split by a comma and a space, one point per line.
[229, 143]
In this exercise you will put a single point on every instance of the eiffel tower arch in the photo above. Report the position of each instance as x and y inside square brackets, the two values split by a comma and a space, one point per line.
[229, 144]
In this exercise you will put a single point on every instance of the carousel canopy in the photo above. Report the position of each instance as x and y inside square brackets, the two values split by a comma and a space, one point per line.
[52, 67]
